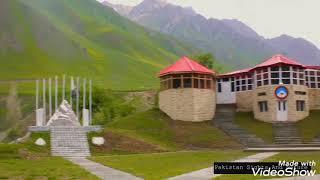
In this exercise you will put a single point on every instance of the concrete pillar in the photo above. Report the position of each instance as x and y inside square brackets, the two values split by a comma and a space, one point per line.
[85, 117]
[71, 88]
[37, 94]
[40, 117]
[77, 97]
[63, 87]
[90, 102]
[50, 98]
[44, 99]
[56, 93]
[84, 92]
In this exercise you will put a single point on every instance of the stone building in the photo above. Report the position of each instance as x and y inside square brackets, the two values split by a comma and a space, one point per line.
[279, 89]
[188, 91]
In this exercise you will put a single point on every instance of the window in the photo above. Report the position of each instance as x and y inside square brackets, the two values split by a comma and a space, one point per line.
[176, 83]
[275, 68]
[262, 94]
[208, 84]
[219, 87]
[187, 83]
[274, 81]
[244, 82]
[300, 93]
[201, 84]
[196, 83]
[300, 105]
[263, 106]
[283, 103]
[232, 87]
[312, 78]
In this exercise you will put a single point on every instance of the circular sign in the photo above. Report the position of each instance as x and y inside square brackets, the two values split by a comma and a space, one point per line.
[281, 92]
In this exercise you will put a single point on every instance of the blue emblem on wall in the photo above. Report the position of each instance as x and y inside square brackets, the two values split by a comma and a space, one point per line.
[281, 92]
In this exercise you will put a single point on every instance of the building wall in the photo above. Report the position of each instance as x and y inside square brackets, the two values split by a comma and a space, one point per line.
[226, 96]
[271, 114]
[314, 98]
[244, 101]
[188, 104]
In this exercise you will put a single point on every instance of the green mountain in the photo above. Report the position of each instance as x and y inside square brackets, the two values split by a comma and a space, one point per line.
[80, 37]
[232, 42]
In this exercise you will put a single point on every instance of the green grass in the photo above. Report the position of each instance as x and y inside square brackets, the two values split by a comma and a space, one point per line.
[86, 39]
[287, 156]
[27, 161]
[155, 127]
[150, 125]
[259, 128]
[309, 127]
[164, 165]
[46, 167]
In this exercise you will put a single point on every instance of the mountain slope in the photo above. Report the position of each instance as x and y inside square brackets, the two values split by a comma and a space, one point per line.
[232, 41]
[298, 48]
[80, 37]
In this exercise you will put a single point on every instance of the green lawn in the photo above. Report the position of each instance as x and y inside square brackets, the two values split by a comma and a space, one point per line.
[164, 165]
[309, 127]
[288, 156]
[155, 127]
[259, 128]
[41, 168]
[27, 161]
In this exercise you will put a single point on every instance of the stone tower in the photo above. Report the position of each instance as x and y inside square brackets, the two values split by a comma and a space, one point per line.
[188, 91]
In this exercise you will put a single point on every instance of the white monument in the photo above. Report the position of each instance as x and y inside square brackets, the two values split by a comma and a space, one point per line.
[64, 116]
[65, 108]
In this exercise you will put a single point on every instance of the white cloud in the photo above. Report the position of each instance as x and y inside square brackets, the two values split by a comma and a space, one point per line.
[269, 18]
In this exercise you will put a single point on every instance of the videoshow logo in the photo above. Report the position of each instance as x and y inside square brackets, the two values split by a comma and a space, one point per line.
[281, 168]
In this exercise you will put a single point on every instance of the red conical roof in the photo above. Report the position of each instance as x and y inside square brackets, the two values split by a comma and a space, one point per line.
[278, 59]
[185, 65]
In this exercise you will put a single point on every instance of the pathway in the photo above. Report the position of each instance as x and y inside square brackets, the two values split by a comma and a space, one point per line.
[206, 174]
[316, 177]
[102, 171]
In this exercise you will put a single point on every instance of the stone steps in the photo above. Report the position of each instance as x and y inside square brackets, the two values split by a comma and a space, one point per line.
[69, 141]
[224, 120]
[286, 133]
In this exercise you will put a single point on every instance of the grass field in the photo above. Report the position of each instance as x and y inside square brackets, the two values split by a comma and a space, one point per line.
[309, 127]
[288, 156]
[164, 165]
[27, 161]
[154, 127]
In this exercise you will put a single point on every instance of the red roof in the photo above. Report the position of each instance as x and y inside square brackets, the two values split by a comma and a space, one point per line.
[313, 67]
[235, 72]
[278, 59]
[185, 65]
[274, 60]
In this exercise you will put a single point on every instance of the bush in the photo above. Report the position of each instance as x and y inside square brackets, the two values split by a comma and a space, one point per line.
[108, 105]
[13, 134]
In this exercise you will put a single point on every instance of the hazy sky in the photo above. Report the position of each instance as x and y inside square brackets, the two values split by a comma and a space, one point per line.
[270, 18]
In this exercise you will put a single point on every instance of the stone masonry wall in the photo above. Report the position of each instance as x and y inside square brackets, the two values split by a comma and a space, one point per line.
[314, 99]
[271, 114]
[190, 104]
[244, 101]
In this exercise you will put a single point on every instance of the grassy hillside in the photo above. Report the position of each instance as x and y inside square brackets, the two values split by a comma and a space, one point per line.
[153, 131]
[80, 37]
